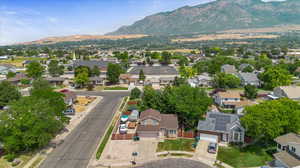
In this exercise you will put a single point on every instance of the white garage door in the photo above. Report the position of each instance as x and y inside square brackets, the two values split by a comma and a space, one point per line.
[209, 137]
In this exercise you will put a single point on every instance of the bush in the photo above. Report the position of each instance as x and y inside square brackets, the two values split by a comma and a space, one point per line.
[10, 157]
[135, 94]
[90, 87]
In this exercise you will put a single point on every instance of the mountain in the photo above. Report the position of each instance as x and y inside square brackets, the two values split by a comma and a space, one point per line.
[53, 40]
[215, 16]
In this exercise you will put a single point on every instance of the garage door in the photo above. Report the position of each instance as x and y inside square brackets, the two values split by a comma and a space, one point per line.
[209, 137]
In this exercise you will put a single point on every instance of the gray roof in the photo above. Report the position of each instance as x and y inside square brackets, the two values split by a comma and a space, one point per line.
[229, 69]
[91, 63]
[154, 70]
[243, 66]
[249, 77]
[218, 122]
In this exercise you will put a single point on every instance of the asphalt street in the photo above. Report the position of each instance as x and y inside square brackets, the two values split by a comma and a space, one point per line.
[79, 146]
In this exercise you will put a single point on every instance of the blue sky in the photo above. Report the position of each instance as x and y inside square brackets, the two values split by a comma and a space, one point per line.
[26, 20]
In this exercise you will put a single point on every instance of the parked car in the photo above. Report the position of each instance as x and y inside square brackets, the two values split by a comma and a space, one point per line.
[123, 129]
[212, 148]
[124, 118]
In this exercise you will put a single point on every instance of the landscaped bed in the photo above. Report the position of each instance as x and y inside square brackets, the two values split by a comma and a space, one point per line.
[251, 156]
[116, 88]
[176, 145]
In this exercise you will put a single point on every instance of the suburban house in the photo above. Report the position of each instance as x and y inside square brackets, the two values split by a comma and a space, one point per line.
[228, 99]
[55, 81]
[102, 65]
[203, 80]
[288, 147]
[155, 75]
[249, 79]
[153, 124]
[228, 69]
[221, 127]
[96, 81]
[4, 69]
[291, 92]
[70, 99]
[17, 80]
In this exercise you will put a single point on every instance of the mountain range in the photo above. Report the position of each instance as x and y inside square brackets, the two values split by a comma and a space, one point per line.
[219, 15]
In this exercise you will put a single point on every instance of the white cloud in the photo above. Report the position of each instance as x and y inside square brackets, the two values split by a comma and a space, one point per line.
[52, 19]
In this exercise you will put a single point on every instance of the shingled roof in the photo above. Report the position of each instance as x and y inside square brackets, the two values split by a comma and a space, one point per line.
[154, 70]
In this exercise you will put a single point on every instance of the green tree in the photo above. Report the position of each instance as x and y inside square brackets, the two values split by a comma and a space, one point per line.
[55, 69]
[262, 62]
[274, 77]
[142, 76]
[179, 81]
[188, 103]
[250, 91]
[34, 70]
[166, 58]
[8, 93]
[95, 71]
[271, 119]
[113, 73]
[187, 72]
[10, 74]
[41, 84]
[248, 69]
[135, 93]
[23, 126]
[222, 80]
[81, 79]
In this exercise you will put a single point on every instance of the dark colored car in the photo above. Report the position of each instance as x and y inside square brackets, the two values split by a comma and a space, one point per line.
[212, 148]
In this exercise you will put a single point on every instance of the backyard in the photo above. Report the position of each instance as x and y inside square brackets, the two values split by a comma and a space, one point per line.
[176, 145]
[251, 156]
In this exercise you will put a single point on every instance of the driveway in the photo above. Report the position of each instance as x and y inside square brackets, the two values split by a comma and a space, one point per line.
[202, 154]
[119, 152]
[80, 144]
[174, 163]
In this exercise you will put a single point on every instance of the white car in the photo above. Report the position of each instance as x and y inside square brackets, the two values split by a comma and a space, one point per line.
[123, 129]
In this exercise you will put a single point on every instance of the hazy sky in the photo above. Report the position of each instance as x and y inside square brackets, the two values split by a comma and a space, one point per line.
[26, 20]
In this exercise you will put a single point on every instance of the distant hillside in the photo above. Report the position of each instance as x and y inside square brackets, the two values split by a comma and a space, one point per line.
[52, 40]
[219, 15]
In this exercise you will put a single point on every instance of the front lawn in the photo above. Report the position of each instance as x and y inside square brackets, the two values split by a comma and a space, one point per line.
[251, 156]
[116, 88]
[176, 145]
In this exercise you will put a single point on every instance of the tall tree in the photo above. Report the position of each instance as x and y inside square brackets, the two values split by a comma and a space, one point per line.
[55, 69]
[271, 119]
[34, 70]
[250, 91]
[113, 73]
[187, 72]
[274, 77]
[166, 58]
[222, 80]
[95, 71]
[8, 93]
[142, 76]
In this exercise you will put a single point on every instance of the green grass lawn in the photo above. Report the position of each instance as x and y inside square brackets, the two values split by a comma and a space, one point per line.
[251, 156]
[116, 88]
[24, 157]
[176, 145]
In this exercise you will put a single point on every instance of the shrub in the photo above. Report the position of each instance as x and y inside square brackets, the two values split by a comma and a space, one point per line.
[10, 157]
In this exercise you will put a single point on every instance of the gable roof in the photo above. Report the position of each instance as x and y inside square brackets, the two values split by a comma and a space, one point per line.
[229, 94]
[219, 122]
[150, 113]
[288, 138]
[229, 69]
[292, 92]
[169, 121]
[153, 70]
[288, 159]
[91, 63]
[249, 77]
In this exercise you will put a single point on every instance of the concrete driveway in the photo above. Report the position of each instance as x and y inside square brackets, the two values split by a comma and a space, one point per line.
[119, 152]
[202, 154]
[174, 163]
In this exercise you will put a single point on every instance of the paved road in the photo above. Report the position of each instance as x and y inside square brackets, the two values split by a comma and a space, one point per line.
[175, 163]
[81, 143]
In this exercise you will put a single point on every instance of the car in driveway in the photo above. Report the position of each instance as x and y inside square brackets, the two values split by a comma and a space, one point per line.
[123, 129]
[212, 148]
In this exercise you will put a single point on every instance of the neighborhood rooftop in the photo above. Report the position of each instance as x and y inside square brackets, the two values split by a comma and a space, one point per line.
[291, 137]
[154, 70]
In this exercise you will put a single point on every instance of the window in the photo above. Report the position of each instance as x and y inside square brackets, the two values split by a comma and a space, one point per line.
[236, 136]
[278, 146]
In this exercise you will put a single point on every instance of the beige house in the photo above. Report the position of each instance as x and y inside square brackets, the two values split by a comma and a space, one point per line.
[291, 92]
[153, 124]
